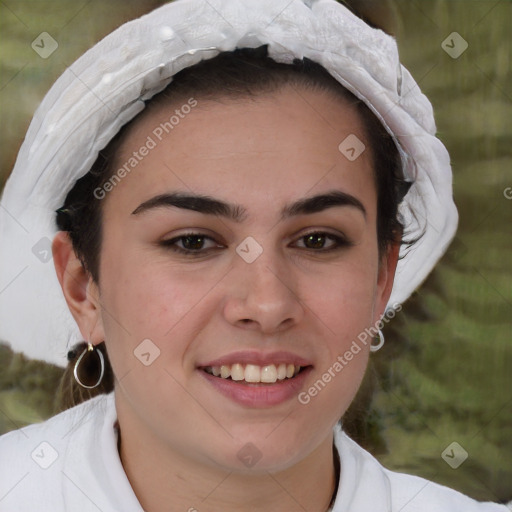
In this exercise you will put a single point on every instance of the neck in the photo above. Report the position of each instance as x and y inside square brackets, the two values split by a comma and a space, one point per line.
[164, 480]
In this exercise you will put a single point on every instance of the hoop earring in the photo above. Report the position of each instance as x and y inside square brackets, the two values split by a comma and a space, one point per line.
[89, 350]
[379, 345]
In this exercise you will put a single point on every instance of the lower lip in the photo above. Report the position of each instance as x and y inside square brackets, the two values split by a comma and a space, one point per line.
[259, 395]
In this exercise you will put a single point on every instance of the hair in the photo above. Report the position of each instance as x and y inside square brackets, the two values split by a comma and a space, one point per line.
[242, 73]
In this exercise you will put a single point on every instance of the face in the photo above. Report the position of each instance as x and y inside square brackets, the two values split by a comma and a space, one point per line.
[273, 280]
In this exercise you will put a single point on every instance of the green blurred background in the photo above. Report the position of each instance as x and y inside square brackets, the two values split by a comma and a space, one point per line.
[445, 373]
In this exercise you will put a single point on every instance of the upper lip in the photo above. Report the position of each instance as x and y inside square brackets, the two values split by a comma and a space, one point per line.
[258, 358]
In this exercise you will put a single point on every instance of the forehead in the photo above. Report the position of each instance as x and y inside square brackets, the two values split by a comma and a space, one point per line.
[279, 143]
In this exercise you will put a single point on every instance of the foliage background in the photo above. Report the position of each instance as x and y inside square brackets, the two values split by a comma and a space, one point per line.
[445, 373]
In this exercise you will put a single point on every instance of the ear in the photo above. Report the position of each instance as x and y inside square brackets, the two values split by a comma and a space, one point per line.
[79, 289]
[386, 277]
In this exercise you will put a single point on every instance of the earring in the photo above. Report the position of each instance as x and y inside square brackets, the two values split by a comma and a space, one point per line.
[378, 345]
[87, 353]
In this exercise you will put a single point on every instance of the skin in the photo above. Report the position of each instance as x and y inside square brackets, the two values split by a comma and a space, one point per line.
[179, 436]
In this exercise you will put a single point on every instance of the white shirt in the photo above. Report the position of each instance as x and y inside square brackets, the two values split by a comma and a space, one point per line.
[71, 463]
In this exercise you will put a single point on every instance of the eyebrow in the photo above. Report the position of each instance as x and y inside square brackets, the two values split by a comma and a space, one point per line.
[237, 213]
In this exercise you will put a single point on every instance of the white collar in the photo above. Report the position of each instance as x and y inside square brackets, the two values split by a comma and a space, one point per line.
[363, 483]
[86, 471]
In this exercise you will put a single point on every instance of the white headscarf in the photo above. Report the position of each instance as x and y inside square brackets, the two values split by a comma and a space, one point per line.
[107, 86]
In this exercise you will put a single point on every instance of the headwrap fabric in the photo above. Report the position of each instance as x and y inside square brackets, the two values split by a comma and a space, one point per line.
[107, 86]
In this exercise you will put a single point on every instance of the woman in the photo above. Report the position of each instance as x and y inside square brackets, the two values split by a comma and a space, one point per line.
[232, 194]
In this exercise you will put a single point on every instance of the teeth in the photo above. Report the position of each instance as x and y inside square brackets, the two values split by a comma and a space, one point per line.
[254, 373]
[225, 371]
[237, 372]
[269, 374]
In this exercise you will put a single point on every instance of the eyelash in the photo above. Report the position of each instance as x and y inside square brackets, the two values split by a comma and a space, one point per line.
[340, 243]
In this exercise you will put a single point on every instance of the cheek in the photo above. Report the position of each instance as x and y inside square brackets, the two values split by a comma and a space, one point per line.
[144, 301]
[343, 295]
[142, 312]
[150, 298]
[342, 303]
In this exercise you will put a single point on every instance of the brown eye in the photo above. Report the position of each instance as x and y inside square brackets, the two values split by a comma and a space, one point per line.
[192, 244]
[315, 241]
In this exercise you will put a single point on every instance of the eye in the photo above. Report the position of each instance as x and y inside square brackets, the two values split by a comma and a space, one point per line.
[192, 244]
[315, 241]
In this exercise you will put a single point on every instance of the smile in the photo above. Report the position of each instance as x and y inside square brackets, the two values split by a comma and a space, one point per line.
[251, 373]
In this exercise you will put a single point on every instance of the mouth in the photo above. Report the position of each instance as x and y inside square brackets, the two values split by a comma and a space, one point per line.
[256, 380]
[255, 374]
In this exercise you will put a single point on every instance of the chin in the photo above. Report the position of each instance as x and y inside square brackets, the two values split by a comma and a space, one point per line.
[273, 447]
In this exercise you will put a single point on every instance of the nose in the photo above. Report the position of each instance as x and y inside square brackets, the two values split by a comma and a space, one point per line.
[263, 296]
